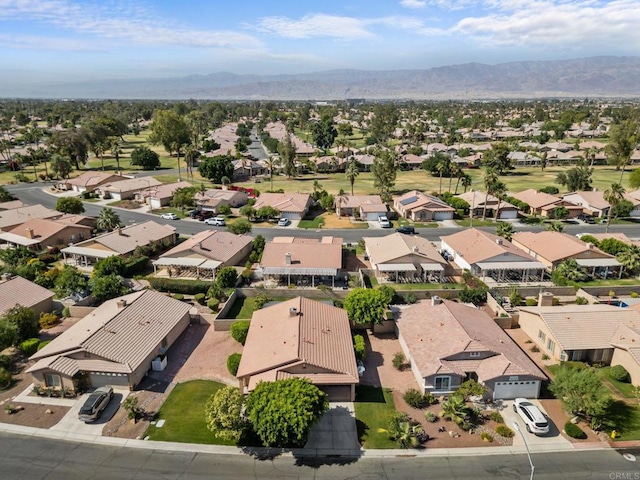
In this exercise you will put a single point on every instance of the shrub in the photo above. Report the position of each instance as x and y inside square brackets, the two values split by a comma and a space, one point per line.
[619, 373]
[528, 341]
[338, 303]
[6, 362]
[213, 304]
[5, 377]
[48, 320]
[178, 296]
[581, 301]
[555, 301]
[201, 298]
[187, 287]
[41, 345]
[359, 347]
[239, 330]
[534, 349]
[227, 277]
[634, 294]
[66, 312]
[430, 417]
[504, 431]
[574, 431]
[233, 362]
[410, 298]
[487, 437]
[261, 300]
[135, 265]
[415, 398]
[531, 302]
[545, 356]
[471, 388]
[399, 361]
[30, 346]
[496, 417]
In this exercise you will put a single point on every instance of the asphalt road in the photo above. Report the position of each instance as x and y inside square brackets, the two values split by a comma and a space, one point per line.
[32, 194]
[32, 458]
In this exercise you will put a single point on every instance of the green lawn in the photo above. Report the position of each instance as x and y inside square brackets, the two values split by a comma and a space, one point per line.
[313, 223]
[625, 389]
[611, 281]
[374, 408]
[626, 419]
[243, 307]
[177, 211]
[426, 286]
[183, 413]
[477, 222]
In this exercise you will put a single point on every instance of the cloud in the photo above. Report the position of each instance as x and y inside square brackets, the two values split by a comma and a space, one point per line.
[45, 43]
[316, 25]
[413, 3]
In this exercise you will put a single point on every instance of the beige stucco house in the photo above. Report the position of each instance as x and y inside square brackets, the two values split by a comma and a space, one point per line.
[16, 290]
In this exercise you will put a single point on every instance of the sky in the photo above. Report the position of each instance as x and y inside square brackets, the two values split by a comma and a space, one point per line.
[50, 40]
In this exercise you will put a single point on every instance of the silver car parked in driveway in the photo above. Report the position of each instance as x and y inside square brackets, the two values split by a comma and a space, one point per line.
[95, 404]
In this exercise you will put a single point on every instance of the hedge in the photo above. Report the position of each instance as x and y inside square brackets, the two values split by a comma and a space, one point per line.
[174, 285]
[359, 347]
[135, 265]
[200, 298]
[619, 373]
[239, 331]
[43, 344]
[233, 362]
[30, 346]
[574, 431]
[213, 304]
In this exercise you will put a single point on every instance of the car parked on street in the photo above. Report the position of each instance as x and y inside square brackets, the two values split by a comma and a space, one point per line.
[586, 218]
[215, 221]
[95, 404]
[406, 230]
[534, 419]
[169, 216]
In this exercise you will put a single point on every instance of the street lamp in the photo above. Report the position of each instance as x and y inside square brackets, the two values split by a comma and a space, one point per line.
[533, 468]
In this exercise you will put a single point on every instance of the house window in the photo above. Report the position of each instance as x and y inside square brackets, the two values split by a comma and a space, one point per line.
[474, 354]
[52, 380]
[551, 345]
[442, 383]
[541, 335]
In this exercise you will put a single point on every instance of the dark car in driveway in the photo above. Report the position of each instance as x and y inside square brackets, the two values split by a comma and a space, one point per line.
[95, 404]
[406, 229]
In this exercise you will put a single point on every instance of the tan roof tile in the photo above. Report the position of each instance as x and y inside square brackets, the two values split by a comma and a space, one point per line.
[477, 246]
[306, 253]
[20, 291]
[125, 240]
[284, 202]
[555, 246]
[212, 244]
[394, 246]
[17, 216]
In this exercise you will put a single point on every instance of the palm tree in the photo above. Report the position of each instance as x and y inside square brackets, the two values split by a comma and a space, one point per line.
[351, 172]
[191, 154]
[108, 219]
[490, 179]
[177, 147]
[272, 162]
[116, 150]
[441, 167]
[466, 181]
[454, 171]
[456, 410]
[630, 258]
[499, 190]
[34, 157]
[505, 230]
[570, 270]
[613, 196]
[555, 227]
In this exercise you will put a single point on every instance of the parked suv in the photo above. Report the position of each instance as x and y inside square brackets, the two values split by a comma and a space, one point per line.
[215, 221]
[586, 218]
[384, 221]
[533, 418]
[406, 229]
[95, 404]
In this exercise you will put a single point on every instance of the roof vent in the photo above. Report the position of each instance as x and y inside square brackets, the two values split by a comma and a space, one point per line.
[6, 276]
[499, 241]
[121, 303]
[293, 311]
[287, 258]
[436, 300]
[416, 249]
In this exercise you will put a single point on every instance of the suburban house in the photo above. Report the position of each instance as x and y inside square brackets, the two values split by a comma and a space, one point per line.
[617, 235]
[301, 338]
[553, 248]
[544, 204]
[116, 344]
[447, 343]
[309, 261]
[38, 234]
[129, 188]
[366, 207]
[9, 219]
[398, 256]
[11, 205]
[411, 161]
[491, 257]
[586, 333]
[293, 206]
[594, 203]
[418, 206]
[159, 196]
[121, 242]
[204, 253]
[211, 199]
[89, 181]
[477, 201]
[75, 219]
[15, 290]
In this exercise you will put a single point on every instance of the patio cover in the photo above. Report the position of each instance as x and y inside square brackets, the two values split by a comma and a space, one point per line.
[18, 239]
[299, 271]
[89, 252]
[397, 267]
[511, 265]
[187, 262]
[598, 262]
[432, 267]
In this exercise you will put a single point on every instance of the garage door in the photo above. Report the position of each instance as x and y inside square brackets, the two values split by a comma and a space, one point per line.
[100, 379]
[511, 390]
[443, 216]
[372, 217]
[337, 393]
[511, 214]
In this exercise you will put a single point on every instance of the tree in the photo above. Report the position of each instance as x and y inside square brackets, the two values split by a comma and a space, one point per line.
[191, 155]
[107, 287]
[113, 265]
[227, 277]
[581, 391]
[283, 412]
[630, 258]
[471, 388]
[266, 212]
[443, 165]
[223, 414]
[108, 219]
[505, 230]
[22, 322]
[287, 151]
[456, 410]
[116, 150]
[613, 196]
[5, 196]
[145, 157]
[384, 170]
[560, 212]
[570, 270]
[247, 211]
[622, 208]
[351, 172]
[612, 246]
[183, 197]
[498, 190]
[345, 129]
[466, 181]
[60, 166]
[365, 306]
[70, 205]
[215, 168]
[324, 133]
[623, 139]
[170, 130]
[272, 162]
[555, 227]
[576, 178]
[490, 180]
[240, 226]
[132, 407]
[498, 158]
[634, 178]
[70, 281]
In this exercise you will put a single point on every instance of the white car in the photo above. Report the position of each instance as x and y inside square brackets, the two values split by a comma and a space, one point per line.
[215, 221]
[384, 221]
[169, 216]
[283, 222]
[534, 419]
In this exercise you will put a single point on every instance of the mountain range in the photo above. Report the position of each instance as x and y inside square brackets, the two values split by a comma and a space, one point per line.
[584, 77]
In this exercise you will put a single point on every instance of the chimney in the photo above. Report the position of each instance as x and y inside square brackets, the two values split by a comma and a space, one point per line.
[121, 303]
[436, 300]
[499, 241]
[293, 311]
[29, 232]
[119, 230]
[590, 246]
[415, 249]
[545, 299]
[287, 258]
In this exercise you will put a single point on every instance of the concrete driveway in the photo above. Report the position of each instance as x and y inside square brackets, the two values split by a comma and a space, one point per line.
[70, 422]
[336, 430]
[553, 437]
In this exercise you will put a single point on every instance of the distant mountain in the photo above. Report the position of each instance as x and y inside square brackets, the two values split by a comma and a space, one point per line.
[585, 77]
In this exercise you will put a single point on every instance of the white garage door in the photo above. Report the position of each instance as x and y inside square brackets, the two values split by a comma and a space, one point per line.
[511, 214]
[290, 215]
[443, 216]
[372, 217]
[511, 390]
[99, 379]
